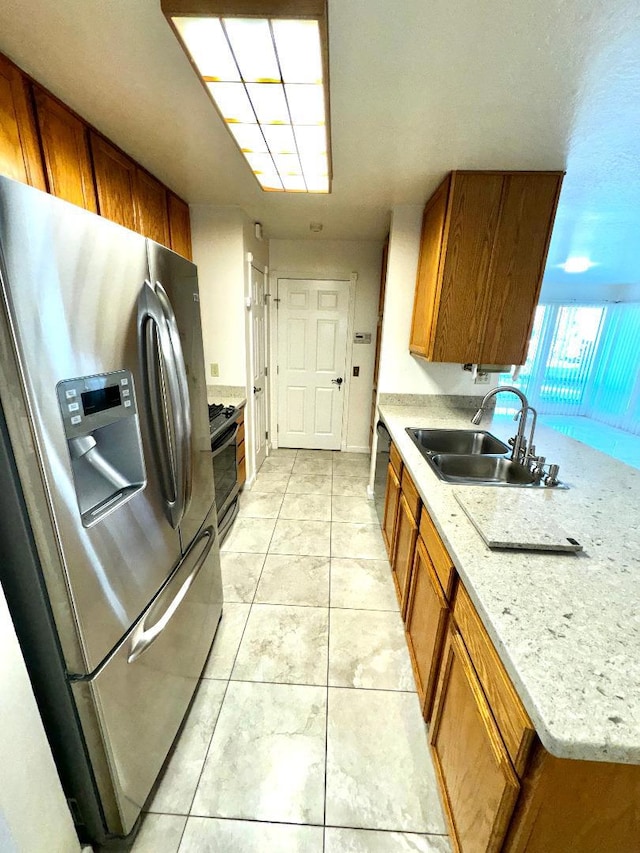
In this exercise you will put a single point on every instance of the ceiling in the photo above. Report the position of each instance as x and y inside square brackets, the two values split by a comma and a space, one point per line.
[418, 87]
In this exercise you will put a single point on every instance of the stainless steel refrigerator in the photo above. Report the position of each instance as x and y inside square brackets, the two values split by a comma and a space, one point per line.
[109, 555]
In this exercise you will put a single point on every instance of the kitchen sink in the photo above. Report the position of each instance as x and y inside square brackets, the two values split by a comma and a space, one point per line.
[465, 441]
[480, 469]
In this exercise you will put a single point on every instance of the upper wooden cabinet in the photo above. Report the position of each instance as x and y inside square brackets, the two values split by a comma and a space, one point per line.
[151, 208]
[66, 152]
[19, 150]
[115, 182]
[485, 237]
[179, 226]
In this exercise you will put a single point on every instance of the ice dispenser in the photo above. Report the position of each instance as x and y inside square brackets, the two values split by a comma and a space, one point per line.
[103, 436]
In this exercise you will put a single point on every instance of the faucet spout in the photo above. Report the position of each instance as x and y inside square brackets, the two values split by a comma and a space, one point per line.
[519, 442]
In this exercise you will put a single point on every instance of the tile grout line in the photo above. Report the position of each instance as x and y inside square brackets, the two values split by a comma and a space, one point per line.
[326, 719]
[224, 696]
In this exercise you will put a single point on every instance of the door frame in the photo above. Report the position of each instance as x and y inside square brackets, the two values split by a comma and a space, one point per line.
[349, 278]
[250, 443]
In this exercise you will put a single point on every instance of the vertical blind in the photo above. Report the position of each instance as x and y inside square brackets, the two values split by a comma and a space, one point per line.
[584, 360]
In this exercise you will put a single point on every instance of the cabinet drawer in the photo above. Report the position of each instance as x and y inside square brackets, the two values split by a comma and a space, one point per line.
[411, 494]
[513, 721]
[240, 454]
[438, 554]
[395, 459]
[477, 782]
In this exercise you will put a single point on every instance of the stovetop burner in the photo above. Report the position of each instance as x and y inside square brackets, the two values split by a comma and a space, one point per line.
[218, 417]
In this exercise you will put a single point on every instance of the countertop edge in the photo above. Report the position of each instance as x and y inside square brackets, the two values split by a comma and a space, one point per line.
[557, 742]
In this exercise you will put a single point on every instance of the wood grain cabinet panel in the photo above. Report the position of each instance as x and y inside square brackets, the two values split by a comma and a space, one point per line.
[19, 149]
[179, 226]
[115, 182]
[391, 501]
[438, 554]
[576, 806]
[478, 784]
[395, 459]
[65, 148]
[404, 550]
[485, 238]
[514, 724]
[426, 623]
[152, 215]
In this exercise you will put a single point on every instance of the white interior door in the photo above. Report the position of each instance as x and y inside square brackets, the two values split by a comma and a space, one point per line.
[258, 356]
[312, 348]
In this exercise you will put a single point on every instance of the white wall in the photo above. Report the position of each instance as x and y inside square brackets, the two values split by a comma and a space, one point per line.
[338, 259]
[401, 372]
[34, 817]
[218, 251]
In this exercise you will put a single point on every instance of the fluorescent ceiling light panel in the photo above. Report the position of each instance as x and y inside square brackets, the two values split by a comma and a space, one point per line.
[266, 78]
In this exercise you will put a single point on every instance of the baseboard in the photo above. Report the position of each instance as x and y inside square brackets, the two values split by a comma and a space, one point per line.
[353, 448]
[370, 494]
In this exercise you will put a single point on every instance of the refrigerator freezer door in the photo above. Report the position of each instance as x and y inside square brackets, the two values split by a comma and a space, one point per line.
[178, 278]
[69, 285]
[144, 689]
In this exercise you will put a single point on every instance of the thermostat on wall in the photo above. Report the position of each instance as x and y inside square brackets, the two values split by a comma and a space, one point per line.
[362, 338]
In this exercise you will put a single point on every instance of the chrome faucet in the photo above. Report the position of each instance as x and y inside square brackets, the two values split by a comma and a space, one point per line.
[519, 443]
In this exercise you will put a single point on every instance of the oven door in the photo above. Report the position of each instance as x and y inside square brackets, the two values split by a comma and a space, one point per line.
[223, 452]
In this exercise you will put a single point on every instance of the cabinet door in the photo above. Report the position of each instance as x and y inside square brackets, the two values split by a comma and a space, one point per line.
[478, 783]
[391, 500]
[19, 150]
[179, 226]
[66, 152]
[427, 281]
[474, 210]
[151, 208]
[426, 622]
[522, 241]
[405, 547]
[115, 182]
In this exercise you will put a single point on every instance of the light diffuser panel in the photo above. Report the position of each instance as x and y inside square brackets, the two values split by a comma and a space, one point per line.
[266, 78]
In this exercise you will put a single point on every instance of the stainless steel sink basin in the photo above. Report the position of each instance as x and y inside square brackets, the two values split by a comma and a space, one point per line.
[481, 470]
[466, 441]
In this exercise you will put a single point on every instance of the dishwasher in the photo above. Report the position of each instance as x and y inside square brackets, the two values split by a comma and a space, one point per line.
[382, 464]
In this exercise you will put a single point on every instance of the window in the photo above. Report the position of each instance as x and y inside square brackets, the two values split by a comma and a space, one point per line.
[583, 360]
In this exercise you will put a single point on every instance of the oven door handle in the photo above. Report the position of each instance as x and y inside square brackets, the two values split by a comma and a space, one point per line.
[224, 441]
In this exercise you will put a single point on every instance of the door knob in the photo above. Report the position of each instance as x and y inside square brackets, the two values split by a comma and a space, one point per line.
[338, 381]
[256, 390]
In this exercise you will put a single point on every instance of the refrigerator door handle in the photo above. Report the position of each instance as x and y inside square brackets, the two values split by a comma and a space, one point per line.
[184, 433]
[165, 417]
[166, 605]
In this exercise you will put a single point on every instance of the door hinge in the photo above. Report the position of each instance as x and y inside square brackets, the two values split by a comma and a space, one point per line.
[266, 371]
[277, 368]
[277, 301]
[266, 434]
[266, 298]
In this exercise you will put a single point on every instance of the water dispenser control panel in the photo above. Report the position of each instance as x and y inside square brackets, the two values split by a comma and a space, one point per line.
[101, 426]
[95, 401]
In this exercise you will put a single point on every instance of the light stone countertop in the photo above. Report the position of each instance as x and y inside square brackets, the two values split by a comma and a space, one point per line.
[566, 626]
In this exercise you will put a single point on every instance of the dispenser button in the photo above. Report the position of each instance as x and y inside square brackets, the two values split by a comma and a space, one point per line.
[70, 393]
[126, 392]
[127, 403]
[124, 381]
[73, 407]
[76, 419]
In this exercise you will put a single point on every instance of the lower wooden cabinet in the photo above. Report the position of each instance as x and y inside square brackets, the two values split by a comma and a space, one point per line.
[479, 786]
[405, 547]
[391, 502]
[426, 623]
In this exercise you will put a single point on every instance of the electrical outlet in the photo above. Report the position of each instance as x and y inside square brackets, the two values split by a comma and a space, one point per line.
[215, 370]
[356, 370]
[482, 378]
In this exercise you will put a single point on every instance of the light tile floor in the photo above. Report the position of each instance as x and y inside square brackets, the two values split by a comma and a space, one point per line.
[305, 735]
